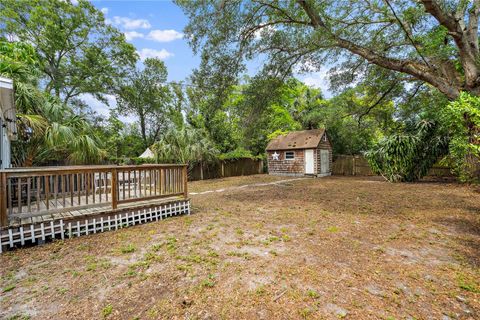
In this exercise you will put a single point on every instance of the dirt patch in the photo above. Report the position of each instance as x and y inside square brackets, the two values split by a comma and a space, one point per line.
[219, 184]
[317, 248]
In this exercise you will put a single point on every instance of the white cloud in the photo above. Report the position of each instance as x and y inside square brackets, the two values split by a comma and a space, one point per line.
[99, 106]
[128, 23]
[104, 10]
[130, 35]
[103, 109]
[265, 31]
[152, 53]
[164, 35]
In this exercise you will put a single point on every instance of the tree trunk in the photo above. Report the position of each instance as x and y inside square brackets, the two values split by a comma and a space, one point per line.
[143, 131]
[28, 162]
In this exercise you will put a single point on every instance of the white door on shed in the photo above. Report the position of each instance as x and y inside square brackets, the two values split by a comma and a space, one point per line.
[309, 162]
[324, 161]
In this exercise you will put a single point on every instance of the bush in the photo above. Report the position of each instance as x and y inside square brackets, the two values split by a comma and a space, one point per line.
[239, 153]
[462, 118]
[408, 156]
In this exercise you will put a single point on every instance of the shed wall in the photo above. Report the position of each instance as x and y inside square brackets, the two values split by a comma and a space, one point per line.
[286, 167]
[325, 145]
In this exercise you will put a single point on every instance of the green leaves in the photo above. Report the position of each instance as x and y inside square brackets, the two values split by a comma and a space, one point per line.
[78, 52]
[186, 145]
[47, 129]
[413, 40]
[144, 94]
[462, 119]
[407, 156]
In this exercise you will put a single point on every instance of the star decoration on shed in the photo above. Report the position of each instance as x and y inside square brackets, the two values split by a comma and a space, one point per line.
[275, 156]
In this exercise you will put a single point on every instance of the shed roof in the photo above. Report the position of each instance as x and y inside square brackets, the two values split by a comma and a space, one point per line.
[306, 139]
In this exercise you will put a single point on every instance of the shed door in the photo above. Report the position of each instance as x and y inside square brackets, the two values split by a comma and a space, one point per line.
[324, 161]
[309, 162]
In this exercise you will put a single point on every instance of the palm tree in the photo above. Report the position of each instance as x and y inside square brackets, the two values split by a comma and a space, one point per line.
[48, 130]
[186, 145]
[55, 134]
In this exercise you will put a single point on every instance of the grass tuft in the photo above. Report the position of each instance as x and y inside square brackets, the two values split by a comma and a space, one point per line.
[107, 310]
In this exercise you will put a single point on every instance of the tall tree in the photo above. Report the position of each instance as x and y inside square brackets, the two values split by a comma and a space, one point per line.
[78, 52]
[186, 145]
[433, 41]
[145, 95]
[48, 130]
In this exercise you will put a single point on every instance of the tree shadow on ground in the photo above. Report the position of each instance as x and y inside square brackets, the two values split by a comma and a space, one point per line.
[468, 235]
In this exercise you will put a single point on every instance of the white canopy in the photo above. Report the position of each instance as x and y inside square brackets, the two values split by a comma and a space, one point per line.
[147, 154]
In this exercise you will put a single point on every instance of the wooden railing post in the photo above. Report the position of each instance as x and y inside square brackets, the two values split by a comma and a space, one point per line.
[185, 182]
[3, 200]
[114, 189]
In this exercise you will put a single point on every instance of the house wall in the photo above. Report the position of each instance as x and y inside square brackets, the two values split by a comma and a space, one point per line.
[5, 161]
[286, 167]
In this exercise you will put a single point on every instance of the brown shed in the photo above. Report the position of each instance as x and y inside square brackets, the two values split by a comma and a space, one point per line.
[307, 152]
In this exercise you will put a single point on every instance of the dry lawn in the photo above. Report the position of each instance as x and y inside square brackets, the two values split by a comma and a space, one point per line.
[325, 248]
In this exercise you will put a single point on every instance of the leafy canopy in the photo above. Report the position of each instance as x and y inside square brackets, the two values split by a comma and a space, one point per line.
[185, 145]
[464, 143]
[407, 156]
[78, 52]
[47, 128]
[434, 42]
[144, 94]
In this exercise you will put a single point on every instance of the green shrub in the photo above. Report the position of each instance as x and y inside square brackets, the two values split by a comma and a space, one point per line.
[462, 118]
[239, 153]
[407, 156]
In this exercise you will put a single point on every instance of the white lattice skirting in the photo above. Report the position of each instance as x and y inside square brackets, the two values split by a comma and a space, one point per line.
[59, 229]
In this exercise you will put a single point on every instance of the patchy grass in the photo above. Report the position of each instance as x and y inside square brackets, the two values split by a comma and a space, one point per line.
[129, 248]
[333, 229]
[329, 248]
[106, 311]
[8, 288]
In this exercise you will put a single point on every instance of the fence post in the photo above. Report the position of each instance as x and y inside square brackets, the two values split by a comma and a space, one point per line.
[3, 200]
[114, 189]
[185, 182]
[354, 169]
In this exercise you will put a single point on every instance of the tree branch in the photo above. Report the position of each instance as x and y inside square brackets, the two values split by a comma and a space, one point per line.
[413, 68]
[466, 42]
[380, 99]
[445, 19]
[407, 33]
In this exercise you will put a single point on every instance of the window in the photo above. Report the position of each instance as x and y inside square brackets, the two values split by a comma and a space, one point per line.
[289, 155]
[324, 138]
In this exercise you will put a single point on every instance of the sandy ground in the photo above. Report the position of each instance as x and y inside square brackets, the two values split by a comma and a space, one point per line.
[329, 248]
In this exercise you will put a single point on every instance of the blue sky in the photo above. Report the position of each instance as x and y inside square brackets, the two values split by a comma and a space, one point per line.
[155, 28]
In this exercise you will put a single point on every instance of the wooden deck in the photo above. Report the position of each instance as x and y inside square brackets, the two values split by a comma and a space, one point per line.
[34, 194]
[59, 212]
[35, 198]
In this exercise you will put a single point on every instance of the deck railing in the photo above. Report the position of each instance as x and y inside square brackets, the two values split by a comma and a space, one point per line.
[31, 192]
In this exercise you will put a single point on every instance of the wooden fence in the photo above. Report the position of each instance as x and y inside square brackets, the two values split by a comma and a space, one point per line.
[348, 165]
[34, 192]
[225, 168]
